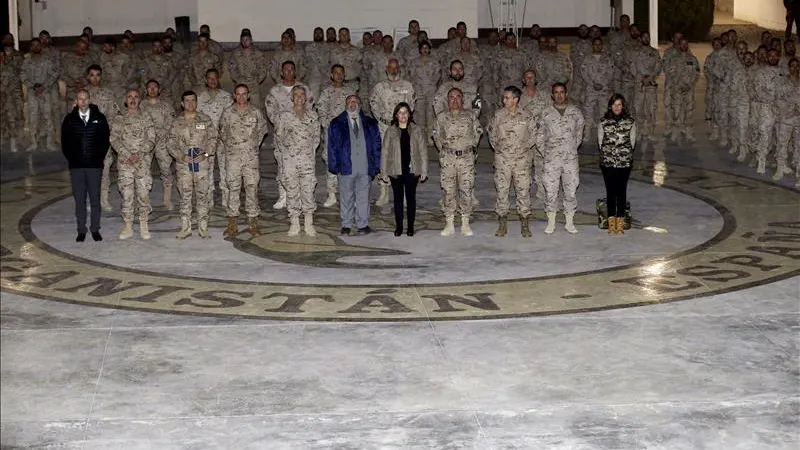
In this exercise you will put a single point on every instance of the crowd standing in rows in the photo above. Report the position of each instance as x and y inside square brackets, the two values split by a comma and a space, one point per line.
[536, 104]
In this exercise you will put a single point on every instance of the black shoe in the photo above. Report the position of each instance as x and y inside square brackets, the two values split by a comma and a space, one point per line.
[96, 236]
[398, 231]
[81, 237]
[363, 231]
[345, 231]
[410, 232]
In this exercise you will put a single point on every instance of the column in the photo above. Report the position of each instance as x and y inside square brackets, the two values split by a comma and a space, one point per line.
[654, 23]
[13, 24]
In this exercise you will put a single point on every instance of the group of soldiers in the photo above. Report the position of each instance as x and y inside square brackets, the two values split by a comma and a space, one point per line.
[749, 102]
[753, 101]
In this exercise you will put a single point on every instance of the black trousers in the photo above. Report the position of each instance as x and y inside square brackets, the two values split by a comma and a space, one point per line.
[405, 186]
[616, 181]
[86, 182]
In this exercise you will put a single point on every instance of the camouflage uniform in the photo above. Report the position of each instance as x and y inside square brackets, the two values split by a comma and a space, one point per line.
[280, 56]
[11, 120]
[645, 63]
[556, 68]
[108, 104]
[440, 106]
[596, 70]
[488, 87]
[711, 69]
[424, 74]
[119, 72]
[616, 44]
[279, 101]
[578, 52]
[180, 78]
[349, 57]
[163, 69]
[535, 106]
[512, 137]
[317, 57]
[73, 74]
[199, 63]
[765, 89]
[558, 137]
[788, 123]
[331, 104]
[669, 56]
[386, 95]
[249, 68]
[241, 133]
[682, 71]
[377, 67]
[183, 135]
[627, 84]
[457, 137]
[53, 95]
[473, 67]
[511, 65]
[738, 108]
[212, 104]
[133, 136]
[163, 115]
[408, 47]
[299, 138]
[40, 72]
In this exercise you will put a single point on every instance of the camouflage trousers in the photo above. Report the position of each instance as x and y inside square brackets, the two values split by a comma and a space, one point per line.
[219, 161]
[40, 116]
[489, 104]
[164, 161]
[561, 173]
[458, 182]
[300, 181]
[719, 110]
[11, 120]
[712, 92]
[594, 106]
[577, 91]
[787, 131]
[764, 117]
[681, 107]
[538, 173]
[628, 90]
[739, 114]
[105, 180]
[424, 116]
[513, 169]
[242, 169]
[331, 180]
[646, 107]
[134, 182]
[193, 186]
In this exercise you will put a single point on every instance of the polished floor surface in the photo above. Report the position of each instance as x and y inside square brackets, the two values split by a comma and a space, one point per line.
[681, 334]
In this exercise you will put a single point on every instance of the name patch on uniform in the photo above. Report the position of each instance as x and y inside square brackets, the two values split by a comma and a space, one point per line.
[200, 127]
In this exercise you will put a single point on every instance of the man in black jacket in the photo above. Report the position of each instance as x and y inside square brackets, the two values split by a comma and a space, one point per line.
[85, 141]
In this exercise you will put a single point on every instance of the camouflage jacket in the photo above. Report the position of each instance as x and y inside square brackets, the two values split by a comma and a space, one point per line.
[617, 140]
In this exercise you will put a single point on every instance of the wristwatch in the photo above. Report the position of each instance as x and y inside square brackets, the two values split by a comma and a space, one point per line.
[206, 154]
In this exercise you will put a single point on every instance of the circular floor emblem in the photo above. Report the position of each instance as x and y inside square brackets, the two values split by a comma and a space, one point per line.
[758, 242]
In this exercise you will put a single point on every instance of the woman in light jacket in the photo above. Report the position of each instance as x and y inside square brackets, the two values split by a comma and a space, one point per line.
[404, 161]
[617, 137]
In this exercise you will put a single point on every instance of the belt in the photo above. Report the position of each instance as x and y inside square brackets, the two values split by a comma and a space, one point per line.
[385, 122]
[468, 151]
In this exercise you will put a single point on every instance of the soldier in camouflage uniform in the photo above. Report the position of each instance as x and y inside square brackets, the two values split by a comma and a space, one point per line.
[163, 115]
[191, 141]
[126, 47]
[511, 64]
[162, 68]
[386, 95]
[211, 101]
[424, 73]
[214, 46]
[297, 130]
[408, 46]
[242, 128]
[646, 66]
[11, 120]
[597, 72]
[535, 101]
[287, 52]
[738, 102]
[332, 103]
[201, 61]
[317, 56]
[555, 67]
[133, 137]
[73, 73]
[119, 69]
[489, 80]
[788, 119]
[53, 95]
[278, 101]
[473, 65]
[629, 49]
[180, 63]
[375, 64]
[579, 50]
[457, 134]
[108, 104]
[347, 56]
[711, 69]
[669, 55]
[765, 90]
[456, 80]
[682, 71]
[39, 76]
[248, 66]
[560, 132]
[511, 134]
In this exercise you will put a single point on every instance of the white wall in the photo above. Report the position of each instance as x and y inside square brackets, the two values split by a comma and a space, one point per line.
[68, 17]
[547, 13]
[764, 13]
[268, 19]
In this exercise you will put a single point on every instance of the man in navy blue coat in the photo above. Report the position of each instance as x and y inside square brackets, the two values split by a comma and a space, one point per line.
[354, 155]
